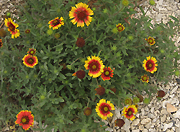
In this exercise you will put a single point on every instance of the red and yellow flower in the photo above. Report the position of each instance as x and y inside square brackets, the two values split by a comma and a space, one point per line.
[30, 61]
[129, 112]
[145, 78]
[120, 27]
[103, 109]
[81, 13]
[150, 64]
[56, 23]
[25, 119]
[12, 27]
[95, 66]
[31, 51]
[150, 40]
[1, 43]
[108, 72]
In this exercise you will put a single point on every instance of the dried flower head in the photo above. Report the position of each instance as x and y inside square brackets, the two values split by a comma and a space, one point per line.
[80, 42]
[119, 122]
[128, 101]
[80, 74]
[161, 93]
[87, 111]
[100, 90]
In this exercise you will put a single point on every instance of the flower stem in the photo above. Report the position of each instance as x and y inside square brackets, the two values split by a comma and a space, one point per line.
[75, 60]
[130, 90]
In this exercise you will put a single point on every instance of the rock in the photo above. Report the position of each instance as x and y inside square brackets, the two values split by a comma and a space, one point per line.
[164, 103]
[163, 118]
[145, 121]
[174, 89]
[126, 125]
[141, 127]
[145, 130]
[152, 109]
[135, 130]
[177, 114]
[163, 111]
[166, 126]
[148, 125]
[135, 122]
[171, 108]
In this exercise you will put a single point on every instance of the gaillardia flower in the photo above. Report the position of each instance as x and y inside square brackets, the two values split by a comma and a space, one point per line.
[56, 23]
[81, 13]
[129, 112]
[80, 42]
[120, 27]
[94, 65]
[150, 64]
[108, 72]
[103, 109]
[150, 40]
[25, 119]
[30, 61]
[27, 31]
[31, 51]
[15, 33]
[1, 44]
[145, 78]
[10, 24]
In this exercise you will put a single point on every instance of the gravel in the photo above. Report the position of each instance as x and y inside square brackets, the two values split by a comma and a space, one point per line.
[153, 117]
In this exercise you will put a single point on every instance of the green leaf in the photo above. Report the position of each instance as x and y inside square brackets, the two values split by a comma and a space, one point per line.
[175, 19]
[142, 10]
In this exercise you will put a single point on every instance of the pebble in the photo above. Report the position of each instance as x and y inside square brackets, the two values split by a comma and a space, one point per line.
[166, 126]
[145, 121]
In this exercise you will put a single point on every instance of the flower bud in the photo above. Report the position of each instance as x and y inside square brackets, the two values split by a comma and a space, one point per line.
[177, 72]
[151, 2]
[125, 2]
[8, 14]
[130, 37]
[42, 97]
[57, 35]
[49, 31]
[128, 101]
[114, 30]
[27, 31]
[146, 100]
[136, 100]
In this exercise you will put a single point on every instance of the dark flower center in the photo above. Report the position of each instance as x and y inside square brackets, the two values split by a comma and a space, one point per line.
[144, 78]
[81, 15]
[25, 120]
[106, 73]
[149, 64]
[93, 66]
[129, 112]
[150, 40]
[30, 61]
[11, 27]
[105, 108]
[55, 22]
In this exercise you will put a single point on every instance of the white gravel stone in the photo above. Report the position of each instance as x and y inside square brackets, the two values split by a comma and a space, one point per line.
[166, 126]
[135, 122]
[145, 121]
[163, 118]
[177, 114]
